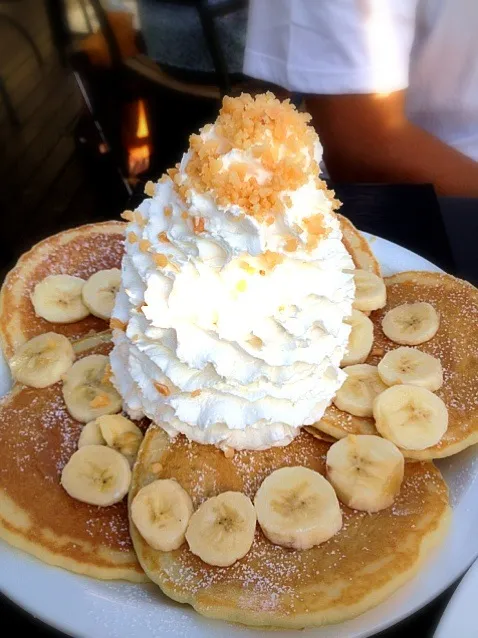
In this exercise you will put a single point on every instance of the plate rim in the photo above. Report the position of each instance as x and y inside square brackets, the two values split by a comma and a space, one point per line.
[27, 602]
[471, 576]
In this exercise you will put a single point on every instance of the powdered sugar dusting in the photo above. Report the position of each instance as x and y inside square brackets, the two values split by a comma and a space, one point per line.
[37, 438]
[274, 578]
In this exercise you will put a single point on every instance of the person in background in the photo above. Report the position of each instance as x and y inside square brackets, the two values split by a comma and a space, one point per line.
[175, 39]
[392, 85]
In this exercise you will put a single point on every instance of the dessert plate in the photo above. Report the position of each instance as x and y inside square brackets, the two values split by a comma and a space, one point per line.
[84, 607]
[459, 618]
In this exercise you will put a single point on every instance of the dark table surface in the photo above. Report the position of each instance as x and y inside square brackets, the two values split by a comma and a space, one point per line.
[445, 231]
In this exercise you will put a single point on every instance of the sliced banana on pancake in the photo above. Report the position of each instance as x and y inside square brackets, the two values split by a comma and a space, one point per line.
[413, 418]
[87, 390]
[370, 291]
[411, 367]
[99, 292]
[43, 360]
[222, 529]
[360, 339]
[161, 512]
[91, 435]
[297, 507]
[121, 434]
[358, 391]
[58, 299]
[411, 323]
[366, 471]
[97, 475]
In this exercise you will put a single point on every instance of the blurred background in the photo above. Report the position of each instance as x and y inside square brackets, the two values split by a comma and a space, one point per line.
[96, 97]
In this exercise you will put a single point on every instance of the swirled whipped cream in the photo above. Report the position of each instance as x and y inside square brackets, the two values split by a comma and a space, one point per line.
[229, 324]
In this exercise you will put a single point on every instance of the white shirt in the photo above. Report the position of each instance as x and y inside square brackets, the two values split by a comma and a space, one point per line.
[429, 47]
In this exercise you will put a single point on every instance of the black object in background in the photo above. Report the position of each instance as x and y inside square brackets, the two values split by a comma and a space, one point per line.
[408, 215]
[460, 216]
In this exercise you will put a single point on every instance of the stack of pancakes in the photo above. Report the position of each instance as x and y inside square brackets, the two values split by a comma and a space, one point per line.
[365, 562]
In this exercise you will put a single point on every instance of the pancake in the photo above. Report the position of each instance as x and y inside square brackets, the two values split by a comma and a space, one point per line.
[37, 437]
[318, 434]
[81, 252]
[455, 344]
[271, 586]
[358, 247]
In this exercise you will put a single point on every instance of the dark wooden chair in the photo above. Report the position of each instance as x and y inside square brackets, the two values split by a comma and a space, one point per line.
[20, 29]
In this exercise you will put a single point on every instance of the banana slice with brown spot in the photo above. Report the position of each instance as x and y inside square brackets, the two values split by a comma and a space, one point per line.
[97, 475]
[370, 291]
[366, 471]
[43, 360]
[222, 529]
[411, 323]
[410, 366]
[161, 512]
[99, 292]
[91, 435]
[360, 339]
[58, 299]
[87, 391]
[413, 418]
[358, 391]
[121, 434]
[296, 507]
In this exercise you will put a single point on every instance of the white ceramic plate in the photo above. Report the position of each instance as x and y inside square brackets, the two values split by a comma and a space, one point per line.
[459, 618]
[88, 608]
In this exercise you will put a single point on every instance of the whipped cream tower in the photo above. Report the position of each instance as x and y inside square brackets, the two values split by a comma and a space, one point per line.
[229, 324]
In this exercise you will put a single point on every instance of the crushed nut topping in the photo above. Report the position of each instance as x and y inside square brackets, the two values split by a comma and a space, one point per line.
[116, 324]
[160, 260]
[144, 245]
[156, 468]
[247, 267]
[127, 215]
[100, 401]
[198, 224]
[255, 342]
[150, 188]
[108, 373]
[162, 389]
[291, 244]
[244, 123]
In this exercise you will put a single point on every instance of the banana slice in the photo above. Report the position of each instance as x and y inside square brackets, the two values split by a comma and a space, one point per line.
[87, 391]
[366, 471]
[358, 391]
[91, 435]
[411, 367]
[413, 418]
[296, 507]
[121, 434]
[411, 323]
[370, 291]
[57, 298]
[360, 339]
[97, 475]
[222, 529]
[100, 290]
[161, 512]
[43, 360]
